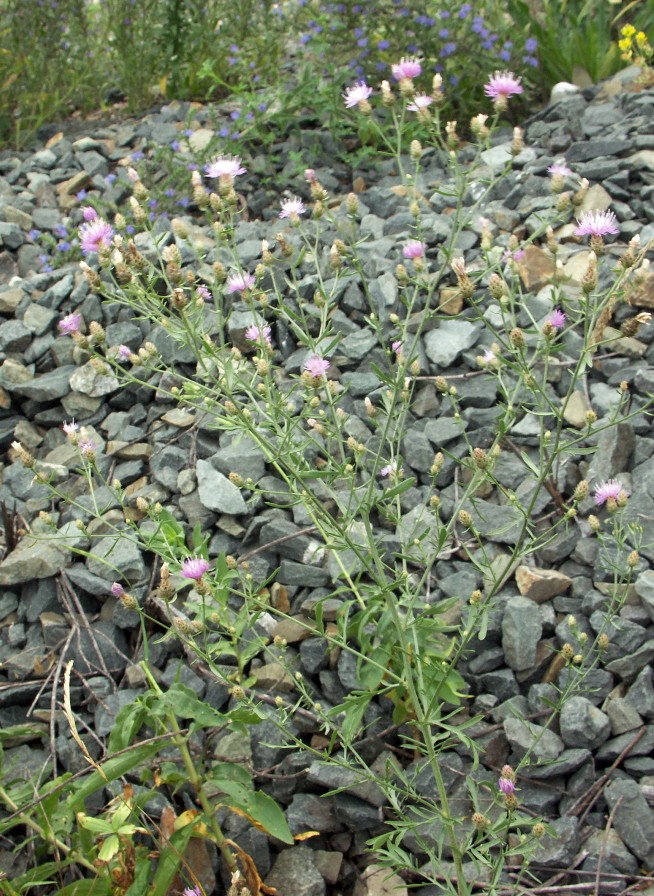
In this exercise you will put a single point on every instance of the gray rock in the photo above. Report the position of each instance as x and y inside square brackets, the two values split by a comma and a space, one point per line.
[582, 724]
[309, 812]
[632, 818]
[559, 849]
[640, 695]
[217, 492]
[117, 558]
[335, 777]
[295, 872]
[542, 744]
[39, 558]
[644, 586]
[521, 632]
[444, 345]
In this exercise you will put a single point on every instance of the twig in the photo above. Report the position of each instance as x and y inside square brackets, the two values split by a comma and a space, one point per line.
[587, 800]
[602, 851]
[308, 530]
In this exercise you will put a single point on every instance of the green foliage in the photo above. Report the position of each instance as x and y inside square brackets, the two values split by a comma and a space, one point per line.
[572, 35]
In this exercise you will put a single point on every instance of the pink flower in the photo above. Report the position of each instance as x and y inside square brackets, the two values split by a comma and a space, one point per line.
[225, 166]
[501, 86]
[194, 568]
[292, 208]
[95, 235]
[310, 175]
[507, 786]
[202, 292]
[89, 213]
[397, 348]
[420, 102]
[414, 249]
[70, 324]
[316, 366]
[608, 489]
[356, 94]
[391, 470]
[117, 589]
[87, 448]
[406, 68]
[192, 891]
[70, 428]
[489, 356]
[558, 169]
[124, 352]
[516, 255]
[596, 224]
[239, 283]
[258, 334]
[557, 319]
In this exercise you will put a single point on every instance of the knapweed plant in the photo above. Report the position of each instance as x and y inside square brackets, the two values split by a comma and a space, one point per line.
[262, 363]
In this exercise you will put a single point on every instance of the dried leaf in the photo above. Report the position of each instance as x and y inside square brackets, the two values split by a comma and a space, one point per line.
[254, 883]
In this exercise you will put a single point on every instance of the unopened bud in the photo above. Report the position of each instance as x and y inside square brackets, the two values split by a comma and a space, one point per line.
[581, 491]
[465, 519]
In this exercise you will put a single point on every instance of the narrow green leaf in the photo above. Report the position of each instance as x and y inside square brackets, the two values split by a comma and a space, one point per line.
[170, 859]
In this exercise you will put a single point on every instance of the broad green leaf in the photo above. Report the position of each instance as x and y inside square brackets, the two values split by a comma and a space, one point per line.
[112, 768]
[97, 886]
[259, 808]
[186, 705]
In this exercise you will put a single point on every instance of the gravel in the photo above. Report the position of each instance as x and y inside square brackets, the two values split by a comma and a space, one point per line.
[601, 745]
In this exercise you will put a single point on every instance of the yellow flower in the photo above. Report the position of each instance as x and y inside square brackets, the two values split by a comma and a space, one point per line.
[625, 45]
[628, 31]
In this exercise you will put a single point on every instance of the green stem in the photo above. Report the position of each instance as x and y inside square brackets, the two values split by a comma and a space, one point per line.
[196, 781]
[44, 834]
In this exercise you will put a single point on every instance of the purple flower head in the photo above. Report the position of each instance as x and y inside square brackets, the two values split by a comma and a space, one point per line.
[421, 101]
[194, 568]
[225, 166]
[559, 169]
[87, 448]
[124, 352]
[292, 207]
[70, 428]
[507, 786]
[94, 235]
[597, 224]
[391, 470]
[501, 86]
[356, 94]
[406, 68]
[117, 589]
[316, 366]
[239, 283]
[557, 319]
[258, 334]
[70, 324]
[414, 249]
[396, 347]
[89, 213]
[192, 891]
[609, 489]
[203, 292]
